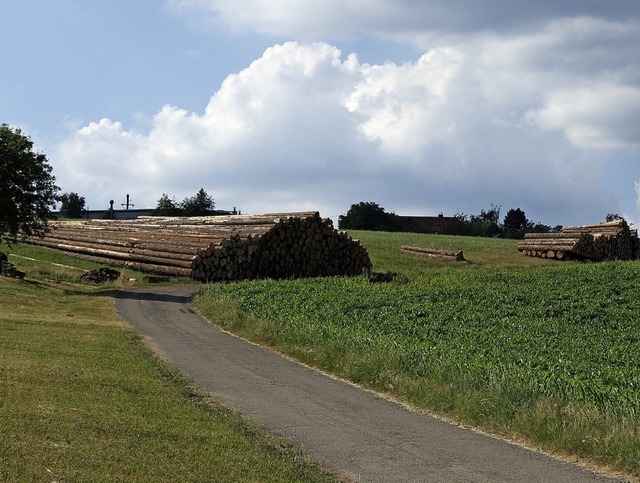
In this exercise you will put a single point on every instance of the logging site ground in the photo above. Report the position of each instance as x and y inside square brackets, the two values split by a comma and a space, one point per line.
[537, 351]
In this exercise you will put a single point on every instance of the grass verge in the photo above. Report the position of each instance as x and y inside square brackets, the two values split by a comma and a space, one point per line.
[531, 350]
[82, 399]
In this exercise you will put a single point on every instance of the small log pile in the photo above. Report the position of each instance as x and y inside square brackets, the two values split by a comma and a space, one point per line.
[455, 255]
[604, 241]
[101, 275]
[214, 248]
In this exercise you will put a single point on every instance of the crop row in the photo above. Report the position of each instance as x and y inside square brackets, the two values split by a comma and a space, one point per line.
[569, 332]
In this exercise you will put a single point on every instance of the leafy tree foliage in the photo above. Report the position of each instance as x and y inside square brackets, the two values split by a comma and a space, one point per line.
[198, 205]
[167, 206]
[515, 223]
[369, 216]
[484, 224]
[27, 188]
[492, 215]
[533, 227]
[72, 205]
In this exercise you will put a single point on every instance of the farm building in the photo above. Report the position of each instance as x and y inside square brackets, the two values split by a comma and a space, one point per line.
[216, 247]
[604, 241]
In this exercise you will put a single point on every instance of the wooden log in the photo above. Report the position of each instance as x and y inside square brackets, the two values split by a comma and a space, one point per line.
[159, 269]
[554, 236]
[146, 268]
[167, 253]
[546, 247]
[596, 226]
[432, 252]
[158, 246]
[114, 255]
[549, 242]
[133, 232]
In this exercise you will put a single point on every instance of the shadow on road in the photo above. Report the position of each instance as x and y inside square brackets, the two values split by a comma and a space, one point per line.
[155, 297]
[170, 294]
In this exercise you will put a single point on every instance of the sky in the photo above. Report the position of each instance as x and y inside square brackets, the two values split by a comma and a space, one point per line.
[424, 107]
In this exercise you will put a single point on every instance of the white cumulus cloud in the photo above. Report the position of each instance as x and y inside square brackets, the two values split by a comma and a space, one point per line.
[464, 125]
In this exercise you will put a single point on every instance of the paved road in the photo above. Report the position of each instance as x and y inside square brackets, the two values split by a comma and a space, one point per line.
[361, 435]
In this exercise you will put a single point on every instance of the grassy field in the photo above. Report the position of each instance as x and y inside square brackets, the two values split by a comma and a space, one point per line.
[533, 350]
[81, 398]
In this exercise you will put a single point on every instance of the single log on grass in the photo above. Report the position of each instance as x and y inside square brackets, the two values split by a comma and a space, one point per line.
[456, 255]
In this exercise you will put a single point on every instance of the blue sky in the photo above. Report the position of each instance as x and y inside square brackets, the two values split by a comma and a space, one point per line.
[423, 107]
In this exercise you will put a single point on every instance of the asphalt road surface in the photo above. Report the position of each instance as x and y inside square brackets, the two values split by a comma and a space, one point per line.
[362, 436]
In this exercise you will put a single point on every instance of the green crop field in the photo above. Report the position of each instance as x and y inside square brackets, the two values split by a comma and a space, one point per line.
[542, 352]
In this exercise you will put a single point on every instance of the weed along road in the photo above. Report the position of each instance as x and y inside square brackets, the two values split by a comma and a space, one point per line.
[362, 436]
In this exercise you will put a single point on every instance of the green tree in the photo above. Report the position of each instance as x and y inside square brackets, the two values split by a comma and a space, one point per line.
[491, 216]
[27, 188]
[167, 206]
[72, 205]
[488, 222]
[198, 205]
[369, 216]
[484, 224]
[515, 223]
[537, 227]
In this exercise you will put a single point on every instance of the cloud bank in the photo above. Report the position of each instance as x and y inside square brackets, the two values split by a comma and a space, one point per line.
[531, 118]
[402, 19]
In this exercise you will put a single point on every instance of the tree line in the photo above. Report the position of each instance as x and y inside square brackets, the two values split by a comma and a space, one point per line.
[371, 216]
[201, 204]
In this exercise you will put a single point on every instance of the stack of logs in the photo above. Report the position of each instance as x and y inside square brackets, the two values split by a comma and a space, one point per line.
[215, 248]
[605, 241]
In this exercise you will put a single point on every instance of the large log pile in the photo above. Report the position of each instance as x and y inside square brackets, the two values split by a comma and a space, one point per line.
[604, 241]
[215, 248]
